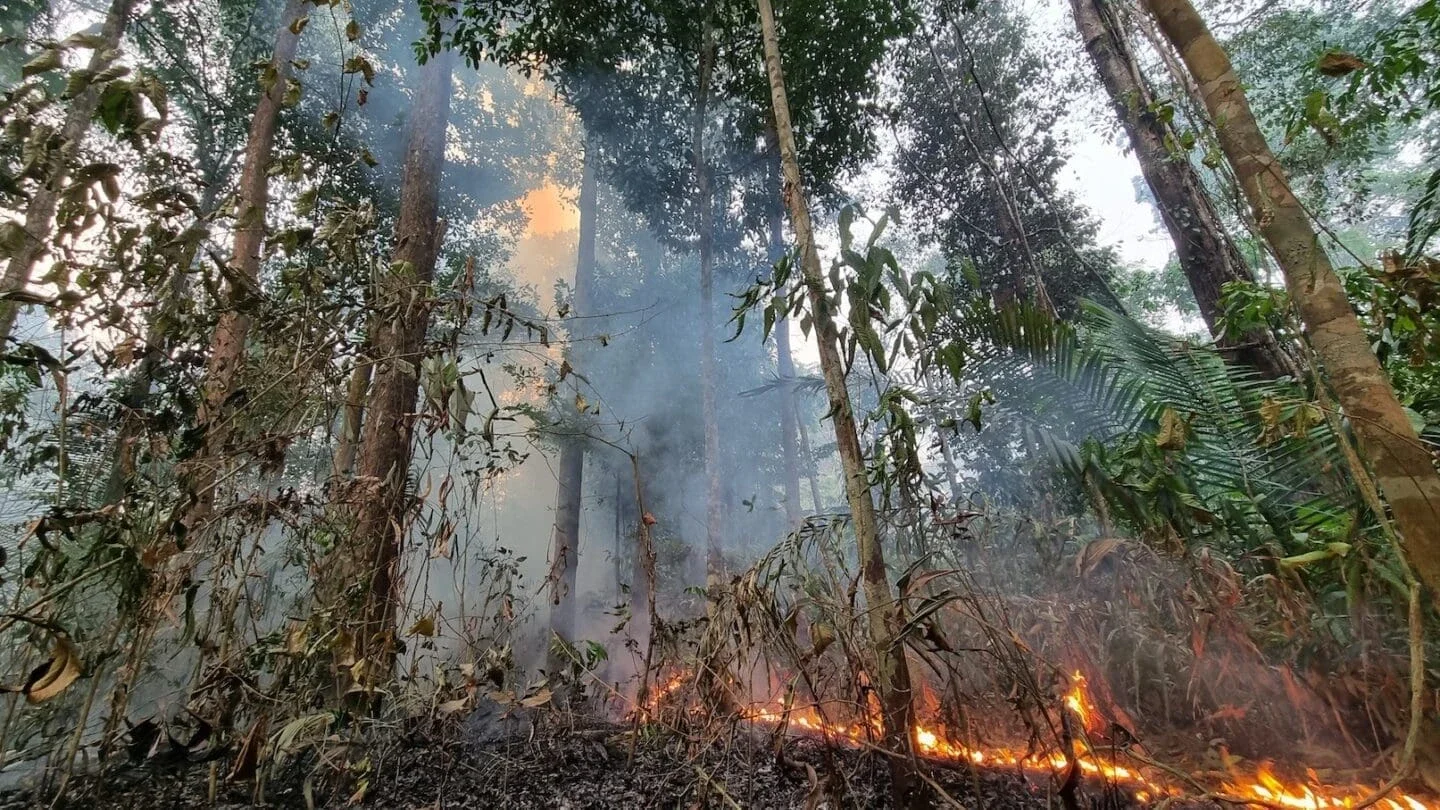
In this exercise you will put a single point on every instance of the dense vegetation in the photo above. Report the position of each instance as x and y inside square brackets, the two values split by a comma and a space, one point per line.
[693, 364]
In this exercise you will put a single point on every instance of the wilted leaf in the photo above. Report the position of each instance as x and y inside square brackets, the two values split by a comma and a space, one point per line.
[821, 637]
[1172, 431]
[424, 626]
[450, 707]
[298, 639]
[359, 795]
[361, 65]
[292, 93]
[538, 699]
[1338, 63]
[249, 756]
[124, 351]
[55, 675]
[46, 60]
[1096, 552]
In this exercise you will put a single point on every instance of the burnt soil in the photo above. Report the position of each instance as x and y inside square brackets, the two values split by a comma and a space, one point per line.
[573, 765]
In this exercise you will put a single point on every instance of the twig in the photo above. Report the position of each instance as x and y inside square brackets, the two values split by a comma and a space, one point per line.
[648, 561]
[704, 777]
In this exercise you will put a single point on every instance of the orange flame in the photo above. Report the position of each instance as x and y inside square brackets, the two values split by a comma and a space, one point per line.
[1264, 787]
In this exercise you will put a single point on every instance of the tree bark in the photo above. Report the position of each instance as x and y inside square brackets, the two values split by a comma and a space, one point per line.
[565, 550]
[1402, 466]
[705, 228]
[353, 415]
[368, 557]
[1205, 252]
[227, 345]
[890, 674]
[784, 361]
[40, 213]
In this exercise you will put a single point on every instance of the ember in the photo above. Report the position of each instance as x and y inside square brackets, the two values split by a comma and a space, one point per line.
[1264, 788]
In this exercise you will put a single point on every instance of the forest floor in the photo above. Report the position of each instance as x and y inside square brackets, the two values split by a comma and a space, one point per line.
[583, 766]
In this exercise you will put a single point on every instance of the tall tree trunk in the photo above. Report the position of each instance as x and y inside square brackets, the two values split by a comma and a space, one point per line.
[40, 213]
[1206, 254]
[705, 227]
[784, 361]
[368, 556]
[1402, 465]
[565, 551]
[890, 675]
[227, 345]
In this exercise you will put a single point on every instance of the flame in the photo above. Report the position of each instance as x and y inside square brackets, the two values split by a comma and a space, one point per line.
[1265, 787]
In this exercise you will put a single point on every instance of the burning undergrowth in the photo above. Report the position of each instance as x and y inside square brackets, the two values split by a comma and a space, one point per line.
[1132, 673]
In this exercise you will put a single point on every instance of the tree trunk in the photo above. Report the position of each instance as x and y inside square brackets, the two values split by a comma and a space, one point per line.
[1012, 230]
[136, 399]
[705, 228]
[947, 456]
[40, 213]
[784, 361]
[227, 345]
[368, 556]
[565, 552]
[642, 564]
[807, 458]
[1402, 465]
[1205, 252]
[353, 414]
[890, 674]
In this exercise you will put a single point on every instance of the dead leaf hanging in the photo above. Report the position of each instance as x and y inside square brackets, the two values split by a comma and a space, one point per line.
[55, 675]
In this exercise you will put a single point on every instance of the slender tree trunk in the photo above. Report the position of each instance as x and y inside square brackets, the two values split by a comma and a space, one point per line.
[890, 675]
[353, 415]
[1012, 229]
[642, 565]
[40, 213]
[618, 545]
[136, 399]
[807, 458]
[1402, 465]
[1206, 254]
[705, 227]
[227, 345]
[947, 456]
[565, 552]
[784, 361]
[368, 557]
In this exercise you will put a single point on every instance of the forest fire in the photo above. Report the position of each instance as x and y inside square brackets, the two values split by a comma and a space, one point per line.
[1263, 789]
